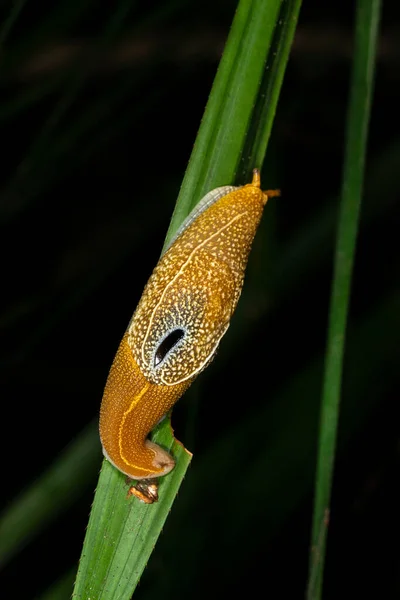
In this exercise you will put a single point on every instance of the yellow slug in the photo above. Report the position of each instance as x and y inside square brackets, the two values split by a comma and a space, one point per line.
[184, 311]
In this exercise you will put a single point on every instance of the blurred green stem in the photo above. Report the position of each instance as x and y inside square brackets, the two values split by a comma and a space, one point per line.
[366, 32]
[9, 22]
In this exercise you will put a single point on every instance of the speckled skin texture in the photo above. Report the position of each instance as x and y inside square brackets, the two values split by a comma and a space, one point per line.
[194, 288]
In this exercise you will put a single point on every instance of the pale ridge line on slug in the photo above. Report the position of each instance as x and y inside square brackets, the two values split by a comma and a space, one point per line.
[235, 218]
[193, 305]
[208, 200]
[134, 402]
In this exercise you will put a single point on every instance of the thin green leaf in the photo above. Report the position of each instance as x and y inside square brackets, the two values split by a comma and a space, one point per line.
[366, 33]
[264, 110]
[49, 494]
[122, 533]
[60, 589]
[10, 20]
[222, 134]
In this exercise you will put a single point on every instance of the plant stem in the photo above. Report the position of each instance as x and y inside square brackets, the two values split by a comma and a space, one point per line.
[366, 31]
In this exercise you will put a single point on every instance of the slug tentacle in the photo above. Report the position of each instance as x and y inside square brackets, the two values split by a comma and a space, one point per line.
[184, 312]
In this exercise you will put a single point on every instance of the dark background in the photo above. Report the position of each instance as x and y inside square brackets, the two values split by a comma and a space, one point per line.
[100, 106]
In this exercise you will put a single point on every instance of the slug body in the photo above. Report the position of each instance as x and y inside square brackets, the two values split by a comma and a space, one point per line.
[184, 311]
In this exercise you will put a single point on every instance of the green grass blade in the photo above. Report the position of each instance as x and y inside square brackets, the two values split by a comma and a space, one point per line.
[10, 20]
[221, 137]
[122, 533]
[264, 111]
[60, 589]
[366, 33]
[50, 494]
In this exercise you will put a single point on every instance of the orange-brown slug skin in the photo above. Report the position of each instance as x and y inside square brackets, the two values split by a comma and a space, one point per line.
[184, 311]
[130, 409]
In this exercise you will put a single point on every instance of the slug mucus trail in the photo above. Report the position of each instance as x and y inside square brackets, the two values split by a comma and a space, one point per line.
[182, 315]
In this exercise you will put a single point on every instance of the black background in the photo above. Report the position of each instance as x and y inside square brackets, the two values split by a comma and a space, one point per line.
[97, 126]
